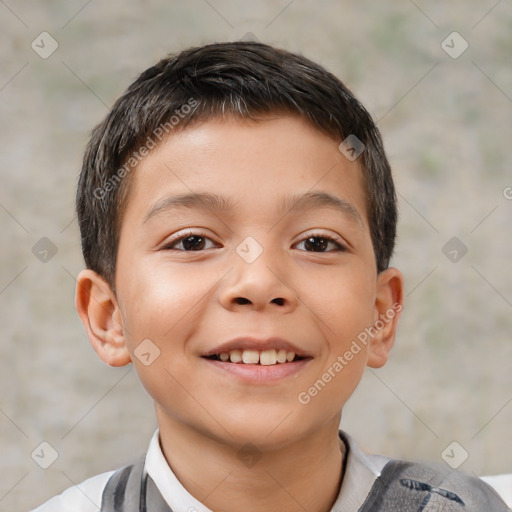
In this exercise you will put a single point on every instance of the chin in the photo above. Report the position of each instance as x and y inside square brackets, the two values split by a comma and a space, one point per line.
[265, 429]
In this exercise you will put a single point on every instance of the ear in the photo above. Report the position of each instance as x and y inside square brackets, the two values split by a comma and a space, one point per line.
[388, 307]
[99, 311]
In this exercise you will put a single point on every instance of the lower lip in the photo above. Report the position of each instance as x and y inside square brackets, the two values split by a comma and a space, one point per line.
[257, 373]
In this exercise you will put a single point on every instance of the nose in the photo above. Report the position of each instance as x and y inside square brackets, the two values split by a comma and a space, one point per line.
[259, 284]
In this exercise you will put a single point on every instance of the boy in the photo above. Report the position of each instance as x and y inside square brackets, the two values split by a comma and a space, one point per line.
[238, 215]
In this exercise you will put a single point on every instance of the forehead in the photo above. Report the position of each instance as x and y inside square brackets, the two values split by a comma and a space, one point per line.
[276, 164]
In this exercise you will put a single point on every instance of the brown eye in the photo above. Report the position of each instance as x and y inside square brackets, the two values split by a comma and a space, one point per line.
[189, 242]
[193, 243]
[319, 243]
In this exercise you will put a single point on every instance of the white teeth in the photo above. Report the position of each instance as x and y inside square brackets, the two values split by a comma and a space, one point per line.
[265, 357]
[268, 357]
[235, 356]
[251, 356]
[281, 355]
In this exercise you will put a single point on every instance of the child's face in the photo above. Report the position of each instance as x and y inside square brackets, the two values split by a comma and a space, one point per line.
[308, 292]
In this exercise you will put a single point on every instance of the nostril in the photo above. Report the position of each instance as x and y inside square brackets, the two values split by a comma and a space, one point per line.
[242, 300]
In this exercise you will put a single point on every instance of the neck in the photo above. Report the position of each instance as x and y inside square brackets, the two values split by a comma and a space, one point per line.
[303, 475]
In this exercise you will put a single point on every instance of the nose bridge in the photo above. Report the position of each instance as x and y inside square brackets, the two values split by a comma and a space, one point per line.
[259, 276]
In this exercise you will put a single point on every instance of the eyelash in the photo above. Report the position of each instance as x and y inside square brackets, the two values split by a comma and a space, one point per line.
[339, 246]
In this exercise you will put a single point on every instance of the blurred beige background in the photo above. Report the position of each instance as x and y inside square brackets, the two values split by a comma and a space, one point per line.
[446, 122]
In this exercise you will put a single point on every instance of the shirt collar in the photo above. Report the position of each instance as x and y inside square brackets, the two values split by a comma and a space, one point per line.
[361, 471]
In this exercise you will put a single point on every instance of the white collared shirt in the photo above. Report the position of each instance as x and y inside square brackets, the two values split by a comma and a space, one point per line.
[360, 474]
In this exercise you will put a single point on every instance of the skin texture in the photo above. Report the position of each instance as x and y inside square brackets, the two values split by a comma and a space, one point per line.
[188, 302]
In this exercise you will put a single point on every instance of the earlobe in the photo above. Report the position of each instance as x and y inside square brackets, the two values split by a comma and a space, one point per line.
[99, 311]
[388, 307]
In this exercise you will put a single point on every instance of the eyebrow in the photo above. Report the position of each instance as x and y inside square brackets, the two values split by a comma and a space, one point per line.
[292, 203]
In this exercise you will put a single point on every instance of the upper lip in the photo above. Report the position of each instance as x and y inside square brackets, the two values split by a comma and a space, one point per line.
[260, 344]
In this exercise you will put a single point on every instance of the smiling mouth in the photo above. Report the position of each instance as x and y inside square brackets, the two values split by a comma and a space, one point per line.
[256, 357]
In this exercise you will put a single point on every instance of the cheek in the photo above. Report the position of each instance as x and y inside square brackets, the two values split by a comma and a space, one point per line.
[159, 306]
[345, 304]
[158, 300]
[346, 312]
